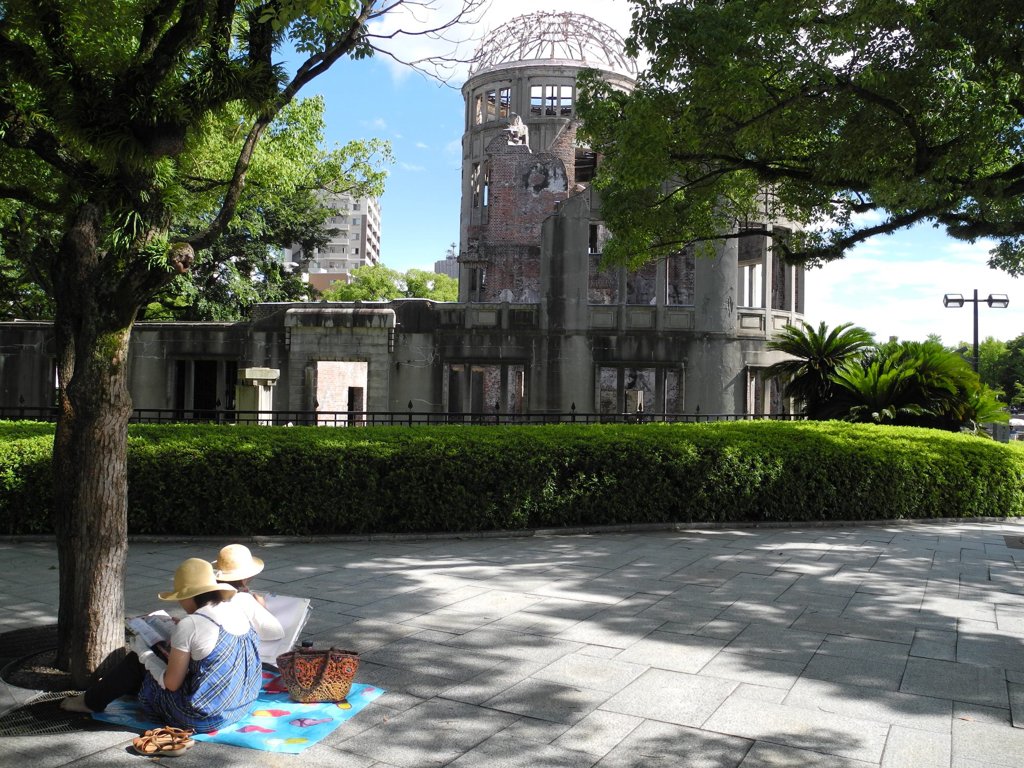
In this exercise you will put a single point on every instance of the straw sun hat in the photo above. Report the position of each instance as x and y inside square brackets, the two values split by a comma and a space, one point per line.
[235, 562]
[195, 577]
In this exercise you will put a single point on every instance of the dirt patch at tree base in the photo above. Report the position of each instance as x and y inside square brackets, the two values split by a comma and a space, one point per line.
[28, 659]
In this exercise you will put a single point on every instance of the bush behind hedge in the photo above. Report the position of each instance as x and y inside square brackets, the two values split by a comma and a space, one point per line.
[240, 481]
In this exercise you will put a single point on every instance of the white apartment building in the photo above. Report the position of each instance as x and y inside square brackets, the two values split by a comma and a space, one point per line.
[355, 244]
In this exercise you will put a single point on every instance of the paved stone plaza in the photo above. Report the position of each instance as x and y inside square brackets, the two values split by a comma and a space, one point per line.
[892, 646]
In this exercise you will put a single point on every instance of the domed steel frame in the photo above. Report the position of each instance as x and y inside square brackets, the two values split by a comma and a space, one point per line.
[554, 36]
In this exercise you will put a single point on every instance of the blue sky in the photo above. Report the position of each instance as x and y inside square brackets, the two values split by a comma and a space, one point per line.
[892, 285]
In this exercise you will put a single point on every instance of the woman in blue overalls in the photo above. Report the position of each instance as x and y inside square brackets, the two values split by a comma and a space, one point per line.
[212, 674]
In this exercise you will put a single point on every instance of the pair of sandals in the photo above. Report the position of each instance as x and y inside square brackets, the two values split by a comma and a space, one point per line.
[164, 742]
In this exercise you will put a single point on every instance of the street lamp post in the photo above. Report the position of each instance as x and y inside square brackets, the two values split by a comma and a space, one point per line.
[995, 300]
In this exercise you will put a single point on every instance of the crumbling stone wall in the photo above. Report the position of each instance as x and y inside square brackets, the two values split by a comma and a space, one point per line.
[523, 190]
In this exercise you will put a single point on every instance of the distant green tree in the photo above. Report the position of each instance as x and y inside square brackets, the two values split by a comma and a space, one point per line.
[816, 356]
[379, 283]
[993, 364]
[373, 282]
[421, 284]
[1010, 376]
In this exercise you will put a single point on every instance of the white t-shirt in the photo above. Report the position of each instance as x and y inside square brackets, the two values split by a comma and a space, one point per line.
[198, 636]
[263, 621]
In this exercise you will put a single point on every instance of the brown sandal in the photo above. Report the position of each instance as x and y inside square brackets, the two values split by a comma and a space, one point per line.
[163, 742]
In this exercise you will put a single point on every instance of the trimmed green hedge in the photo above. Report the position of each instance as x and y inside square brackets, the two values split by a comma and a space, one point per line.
[239, 481]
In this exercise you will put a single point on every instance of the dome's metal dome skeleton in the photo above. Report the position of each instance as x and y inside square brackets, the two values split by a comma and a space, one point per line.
[554, 36]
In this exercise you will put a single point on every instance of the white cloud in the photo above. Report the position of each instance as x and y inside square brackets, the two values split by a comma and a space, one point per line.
[411, 167]
[893, 288]
[421, 145]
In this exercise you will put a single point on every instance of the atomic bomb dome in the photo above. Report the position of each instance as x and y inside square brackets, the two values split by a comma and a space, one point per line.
[554, 37]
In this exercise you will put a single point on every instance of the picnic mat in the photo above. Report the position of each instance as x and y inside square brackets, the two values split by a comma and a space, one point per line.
[276, 723]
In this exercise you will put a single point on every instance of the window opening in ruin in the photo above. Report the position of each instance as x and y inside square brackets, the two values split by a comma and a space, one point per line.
[752, 248]
[492, 104]
[673, 391]
[474, 184]
[641, 284]
[206, 388]
[602, 284]
[594, 246]
[586, 165]
[484, 388]
[478, 109]
[536, 100]
[679, 283]
[504, 102]
[627, 391]
[565, 102]
[487, 187]
[551, 100]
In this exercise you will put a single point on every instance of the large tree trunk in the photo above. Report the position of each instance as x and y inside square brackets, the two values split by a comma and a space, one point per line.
[90, 461]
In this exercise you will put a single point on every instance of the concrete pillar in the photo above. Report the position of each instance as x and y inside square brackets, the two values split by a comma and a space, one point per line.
[715, 289]
[254, 392]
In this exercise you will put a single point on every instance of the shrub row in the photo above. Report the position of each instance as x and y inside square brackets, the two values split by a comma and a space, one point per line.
[209, 480]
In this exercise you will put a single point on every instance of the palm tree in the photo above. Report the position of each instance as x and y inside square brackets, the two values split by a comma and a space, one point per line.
[878, 391]
[910, 383]
[816, 356]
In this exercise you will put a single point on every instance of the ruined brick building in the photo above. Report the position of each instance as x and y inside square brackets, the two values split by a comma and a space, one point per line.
[540, 327]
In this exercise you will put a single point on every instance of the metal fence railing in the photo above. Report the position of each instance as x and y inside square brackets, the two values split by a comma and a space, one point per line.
[393, 418]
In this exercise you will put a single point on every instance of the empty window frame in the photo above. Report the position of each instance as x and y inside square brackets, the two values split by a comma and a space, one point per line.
[474, 184]
[492, 104]
[551, 100]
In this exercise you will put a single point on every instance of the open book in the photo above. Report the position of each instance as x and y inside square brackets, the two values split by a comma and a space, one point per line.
[155, 631]
[292, 612]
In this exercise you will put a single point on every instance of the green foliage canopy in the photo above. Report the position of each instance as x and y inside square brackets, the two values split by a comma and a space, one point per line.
[376, 282]
[856, 118]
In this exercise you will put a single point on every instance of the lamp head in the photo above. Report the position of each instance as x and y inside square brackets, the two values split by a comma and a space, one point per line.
[998, 300]
[953, 300]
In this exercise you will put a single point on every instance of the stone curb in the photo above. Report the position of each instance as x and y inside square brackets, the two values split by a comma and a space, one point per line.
[532, 532]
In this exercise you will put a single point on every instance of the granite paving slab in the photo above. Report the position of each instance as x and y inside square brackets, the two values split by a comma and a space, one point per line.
[546, 700]
[766, 755]
[434, 733]
[505, 751]
[922, 713]
[808, 729]
[662, 744]
[988, 744]
[863, 672]
[673, 697]
[953, 680]
[911, 748]
[598, 733]
[669, 650]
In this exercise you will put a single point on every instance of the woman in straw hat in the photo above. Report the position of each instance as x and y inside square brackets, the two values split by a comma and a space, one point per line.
[212, 675]
[235, 565]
